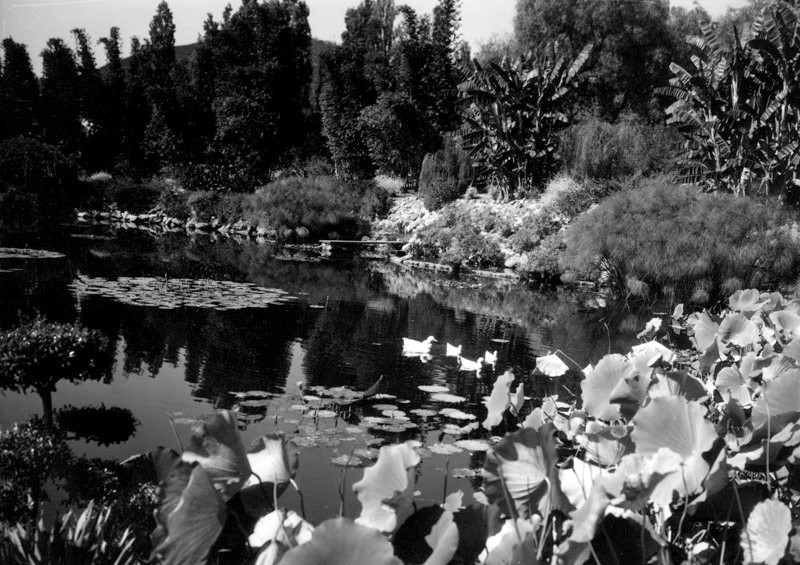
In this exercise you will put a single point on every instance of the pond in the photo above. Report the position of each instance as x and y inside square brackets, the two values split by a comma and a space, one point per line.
[202, 323]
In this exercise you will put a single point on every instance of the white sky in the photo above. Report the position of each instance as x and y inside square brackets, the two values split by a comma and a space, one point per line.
[33, 22]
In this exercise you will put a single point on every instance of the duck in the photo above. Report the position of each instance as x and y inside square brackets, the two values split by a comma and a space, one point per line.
[453, 351]
[414, 346]
[467, 365]
[490, 357]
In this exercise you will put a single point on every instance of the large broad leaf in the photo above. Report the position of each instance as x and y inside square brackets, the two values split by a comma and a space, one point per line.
[577, 481]
[731, 385]
[506, 547]
[767, 533]
[604, 444]
[787, 323]
[342, 542]
[779, 403]
[273, 460]
[551, 365]
[705, 331]
[443, 539]
[637, 476]
[498, 401]
[600, 384]
[189, 517]
[387, 485]
[521, 468]
[650, 353]
[217, 446]
[677, 383]
[746, 301]
[737, 330]
[276, 533]
[681, 426]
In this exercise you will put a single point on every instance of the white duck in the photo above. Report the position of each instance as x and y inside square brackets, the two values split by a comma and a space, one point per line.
[467, 365]
[453, 351]
[490, 357]
[419, 347]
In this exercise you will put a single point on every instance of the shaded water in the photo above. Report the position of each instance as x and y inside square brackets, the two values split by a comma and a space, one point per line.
[321, 324]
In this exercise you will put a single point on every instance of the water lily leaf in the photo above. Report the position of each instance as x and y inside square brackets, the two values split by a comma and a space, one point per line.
[433, 388]
[680, 425]
[445, 448]
[737, 330]
[518, 468]
[551, 365]
[767, 533]
[217, 446]
[473, 444]
[599, 385]
[387, 485]
[498, 401]
[447, 398]
[189, 517]
[705, 331]
[343, 542]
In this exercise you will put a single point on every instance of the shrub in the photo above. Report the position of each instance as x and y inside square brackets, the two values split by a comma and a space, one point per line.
[174, 202]
[226, 207]
[30, 164]
[325, 205]
[541, 264]
[676, 237]
[595, 149]
[444, 175]
[129, 195]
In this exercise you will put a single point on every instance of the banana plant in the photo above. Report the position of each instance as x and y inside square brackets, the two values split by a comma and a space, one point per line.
[737, 109]
[513, 113]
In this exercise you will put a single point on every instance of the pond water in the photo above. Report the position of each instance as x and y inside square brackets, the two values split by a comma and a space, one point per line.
[202, 323]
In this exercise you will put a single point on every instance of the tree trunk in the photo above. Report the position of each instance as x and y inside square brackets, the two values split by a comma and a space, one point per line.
[47, 408]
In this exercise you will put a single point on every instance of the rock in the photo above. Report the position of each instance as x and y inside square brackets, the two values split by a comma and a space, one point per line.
[302, 232]
[512, 261]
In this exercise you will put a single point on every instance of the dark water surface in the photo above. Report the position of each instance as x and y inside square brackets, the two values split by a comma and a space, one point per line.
[193, 320]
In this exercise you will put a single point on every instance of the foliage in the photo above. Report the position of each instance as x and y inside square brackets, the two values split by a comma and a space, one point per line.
[226, 207]
[60, 97]
[679, 239]
[37, 354]
[542, 263]
[634, 43]
[395, 132]
[737, 108]
[129, 195]
[33, 165]
[173, 202]
[19, 91]
[444, 175]
[457, 239]
[325, 206]
[513, 115]
[596, 149]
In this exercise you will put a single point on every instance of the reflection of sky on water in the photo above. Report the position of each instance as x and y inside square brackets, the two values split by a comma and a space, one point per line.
[344, 329]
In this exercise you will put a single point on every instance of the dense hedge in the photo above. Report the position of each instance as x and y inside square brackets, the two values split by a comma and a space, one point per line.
[689, 244]
[445, 175]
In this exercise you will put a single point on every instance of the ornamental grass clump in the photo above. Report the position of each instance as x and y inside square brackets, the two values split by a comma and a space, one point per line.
[675, 238]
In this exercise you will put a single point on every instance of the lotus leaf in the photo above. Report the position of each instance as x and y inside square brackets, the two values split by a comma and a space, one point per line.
[577, 481]
[737, 330]
[522, 468]
[343, 542]
[746, 301]
[680, 425]
[786, 322]
[637, 476]
[731, 385]
[586, 517]
[506, 547]
[282, 526]
[551, 365]
[387, 485]
[217, 446]
[599, 385]
[651, 353]
[779, 403]
[705, 331]
[650, 328]
[443, 539]
[765, 538]
[453, 501]
[677, 383]
[498, 401]
[189, 517]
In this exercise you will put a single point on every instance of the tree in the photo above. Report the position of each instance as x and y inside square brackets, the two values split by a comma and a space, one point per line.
[113, 107]
[633, 45]
[514, 114]
[37, 354]
[60, 97]
[91, 99]
[19, 91]
[136, 115]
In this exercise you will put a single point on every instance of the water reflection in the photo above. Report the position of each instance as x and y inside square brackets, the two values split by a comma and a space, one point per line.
[344, 329]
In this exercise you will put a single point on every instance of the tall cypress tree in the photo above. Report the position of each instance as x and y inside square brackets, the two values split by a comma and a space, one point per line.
[60, 97]
[19, 92]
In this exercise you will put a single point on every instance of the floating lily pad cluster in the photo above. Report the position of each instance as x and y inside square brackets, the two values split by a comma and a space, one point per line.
[24, 253]
[169, 294]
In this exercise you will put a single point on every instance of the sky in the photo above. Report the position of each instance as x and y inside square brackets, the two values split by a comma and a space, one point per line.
[33, 22]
